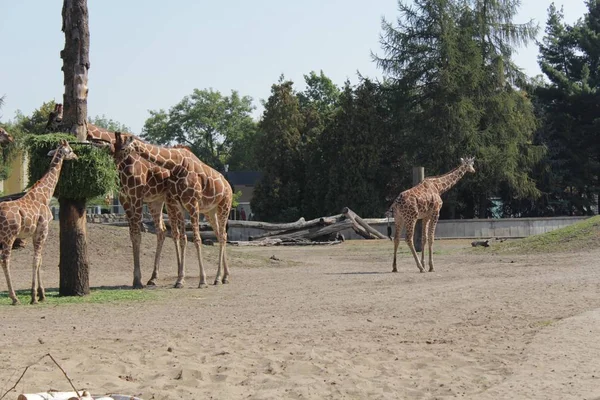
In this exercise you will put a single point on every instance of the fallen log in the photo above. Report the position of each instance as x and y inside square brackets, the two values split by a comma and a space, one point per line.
[323, 221]
[372, 232]
[280, 242]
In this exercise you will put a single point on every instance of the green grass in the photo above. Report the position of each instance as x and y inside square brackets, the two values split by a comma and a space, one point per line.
[581, 235]
[97, 295]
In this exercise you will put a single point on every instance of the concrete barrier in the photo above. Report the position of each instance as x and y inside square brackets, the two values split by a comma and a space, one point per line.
[486, 228]
[446, 229]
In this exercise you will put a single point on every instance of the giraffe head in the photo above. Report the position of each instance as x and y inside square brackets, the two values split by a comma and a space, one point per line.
[63, 151]
[55, 118]
[119, 149]
[5, 137]
[125, 145]
[467, 163]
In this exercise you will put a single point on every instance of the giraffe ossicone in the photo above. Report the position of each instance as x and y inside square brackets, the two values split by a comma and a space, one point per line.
[423, 201]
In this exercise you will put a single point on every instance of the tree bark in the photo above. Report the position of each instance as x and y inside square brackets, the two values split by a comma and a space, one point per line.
[73, 265]
[76, 63]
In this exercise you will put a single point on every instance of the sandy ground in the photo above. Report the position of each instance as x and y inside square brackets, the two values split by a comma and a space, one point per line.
[320, 323]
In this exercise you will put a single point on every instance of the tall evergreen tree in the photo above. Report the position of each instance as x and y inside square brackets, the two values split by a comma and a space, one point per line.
[569, 58]
[446, 58]
[318, 105]
[352, 150]
[278, 195]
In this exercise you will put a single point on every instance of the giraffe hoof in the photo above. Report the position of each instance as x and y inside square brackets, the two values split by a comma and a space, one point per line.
[202, 286]
[33, 302]
[394, 270]
[225, 281]
[138, 286]
[178, 285]
[16, 302]
[217, 282]
[151, 282]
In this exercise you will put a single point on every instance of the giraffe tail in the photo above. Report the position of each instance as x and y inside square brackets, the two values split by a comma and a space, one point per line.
[389, 225]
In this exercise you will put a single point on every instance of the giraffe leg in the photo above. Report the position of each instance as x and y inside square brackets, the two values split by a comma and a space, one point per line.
[410, 230]
[134, 214]
[195, 220]
[182, 247]
[159, 225]
[424, 239]
[177, 230]
[37, 287]
[432, 225]
[397, 241]
[218, 220]
[5, 255]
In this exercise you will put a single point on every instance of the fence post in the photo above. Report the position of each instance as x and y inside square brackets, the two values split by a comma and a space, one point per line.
[418, 174]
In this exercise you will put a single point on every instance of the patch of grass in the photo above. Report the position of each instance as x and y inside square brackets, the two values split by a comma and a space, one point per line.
[118, 294]
[581, 235]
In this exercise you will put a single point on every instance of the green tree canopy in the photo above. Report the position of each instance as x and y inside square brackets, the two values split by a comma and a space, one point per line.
[109, 123]
[278, 196]
[569, 100]
[447, 62]
[218, 129]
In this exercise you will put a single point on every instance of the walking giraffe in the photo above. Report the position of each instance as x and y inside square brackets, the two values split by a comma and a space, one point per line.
[30, 216]
[424, 201]
[141, 182]
[213, 197]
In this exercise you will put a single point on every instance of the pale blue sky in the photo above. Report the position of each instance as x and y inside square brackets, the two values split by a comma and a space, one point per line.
[148, 54]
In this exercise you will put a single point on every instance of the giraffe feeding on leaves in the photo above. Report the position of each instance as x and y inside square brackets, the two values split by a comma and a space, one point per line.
[214, 199]
[141, 182]
[29, 216]
[423, 201]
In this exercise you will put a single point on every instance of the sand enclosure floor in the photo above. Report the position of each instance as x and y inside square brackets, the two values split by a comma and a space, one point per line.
[317, 323]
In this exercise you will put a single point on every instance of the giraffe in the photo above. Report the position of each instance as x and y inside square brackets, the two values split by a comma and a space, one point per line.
[141, 182]
[211, 194]
[5, 140]
[30, 216]
[423, 201]
[5, 137]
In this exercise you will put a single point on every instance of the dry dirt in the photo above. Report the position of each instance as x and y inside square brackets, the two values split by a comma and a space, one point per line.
[318, 323]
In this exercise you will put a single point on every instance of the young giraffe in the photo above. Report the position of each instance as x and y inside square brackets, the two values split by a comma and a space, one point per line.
[30, 216]
[423, 201]
[214, 200]
[141, 182]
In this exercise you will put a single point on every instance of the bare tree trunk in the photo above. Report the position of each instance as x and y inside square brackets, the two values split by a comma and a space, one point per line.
[74, 265]
[75, 66]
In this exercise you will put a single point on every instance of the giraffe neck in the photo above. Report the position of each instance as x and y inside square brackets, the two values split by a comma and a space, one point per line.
[161, 156]
[445, 182]
[97, 133]
[43, 189]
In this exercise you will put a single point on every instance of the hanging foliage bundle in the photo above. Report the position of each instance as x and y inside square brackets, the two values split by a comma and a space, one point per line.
[92, 174]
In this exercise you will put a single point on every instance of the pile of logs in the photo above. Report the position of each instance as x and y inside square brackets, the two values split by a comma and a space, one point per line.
[325, 230]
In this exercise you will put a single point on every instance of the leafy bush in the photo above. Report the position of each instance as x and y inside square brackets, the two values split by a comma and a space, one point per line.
[92, 174]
